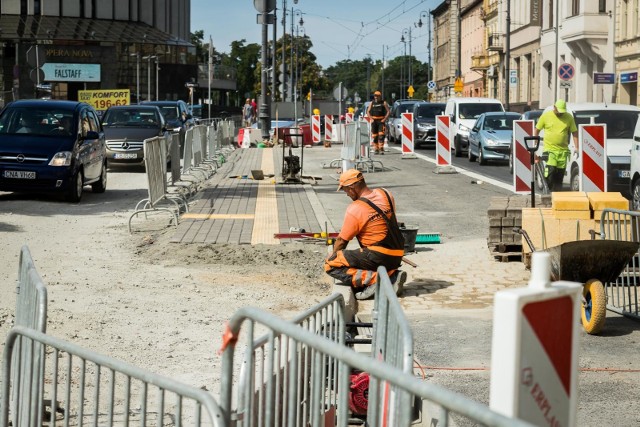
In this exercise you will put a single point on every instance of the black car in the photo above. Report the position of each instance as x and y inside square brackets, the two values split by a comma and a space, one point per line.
[127, 126]
[176, 114]
[51, 146]
[424, 122]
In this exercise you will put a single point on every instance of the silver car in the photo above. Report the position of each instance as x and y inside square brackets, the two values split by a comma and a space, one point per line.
[394, 123]
[490, 137]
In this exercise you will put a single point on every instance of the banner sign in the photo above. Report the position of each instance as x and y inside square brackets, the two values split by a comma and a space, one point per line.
[105, 98]
[62, 72]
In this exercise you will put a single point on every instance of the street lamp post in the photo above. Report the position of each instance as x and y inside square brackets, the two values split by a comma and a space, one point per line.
[410, 68]
[137, 55]
[294, 12]
[425, 14]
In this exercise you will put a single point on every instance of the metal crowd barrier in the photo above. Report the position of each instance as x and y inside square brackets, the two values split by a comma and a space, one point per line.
[155, 163]
[85, 387]
[303, 344]
[31, 300]
[393, 344]
[622, 294]
[355, 150]
[31, 312]
[284, 388]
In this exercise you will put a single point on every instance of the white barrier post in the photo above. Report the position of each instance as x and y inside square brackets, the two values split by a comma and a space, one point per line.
[593, 157]
[443, 145]
[521, 157]
[315, 129]
[534, 351]
[407, 136]
[348, 118]
[328, 130]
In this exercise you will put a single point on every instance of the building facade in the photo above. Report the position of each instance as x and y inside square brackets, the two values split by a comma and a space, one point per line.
[578, 50]
[56, 48]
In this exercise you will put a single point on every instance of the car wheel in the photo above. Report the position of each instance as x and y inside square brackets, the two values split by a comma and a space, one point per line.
[481, 158]
[635, 196]
[101, 185]
[575, 180]
[74, 193]
[472, 157]
[457, 151]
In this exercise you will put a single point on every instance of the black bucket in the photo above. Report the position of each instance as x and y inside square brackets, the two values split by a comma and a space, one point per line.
[410, 234]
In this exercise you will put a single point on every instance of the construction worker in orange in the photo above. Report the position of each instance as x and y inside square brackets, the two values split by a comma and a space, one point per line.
[379, 112]
[370, 218]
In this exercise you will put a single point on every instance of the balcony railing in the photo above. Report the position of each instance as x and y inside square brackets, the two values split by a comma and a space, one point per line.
[495, 42]
[479, 62]
[489, 8]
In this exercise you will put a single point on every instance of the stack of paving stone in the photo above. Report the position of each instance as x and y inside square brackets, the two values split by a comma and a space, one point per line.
[505, 213]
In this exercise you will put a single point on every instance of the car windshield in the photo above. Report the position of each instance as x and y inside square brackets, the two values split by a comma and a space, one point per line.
[169, 112]
[37, 121]
[620, 124]
[472, 111]
[430, 111]
[129, 117]
[405, 107]
[500, 122]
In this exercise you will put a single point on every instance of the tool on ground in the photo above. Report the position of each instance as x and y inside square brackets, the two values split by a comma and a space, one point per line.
[292, 165]
[411, 263]
[428, 238]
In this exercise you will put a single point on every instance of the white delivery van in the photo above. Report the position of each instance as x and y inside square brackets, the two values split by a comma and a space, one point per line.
[463, 113]
[620, 121]
[634, 182]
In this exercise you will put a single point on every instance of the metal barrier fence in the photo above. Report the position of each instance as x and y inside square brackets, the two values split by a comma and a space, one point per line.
[284, 389]
[303, 342]
[31, 312]
[355, 150]
[622, 295]
[393, 344]
[85, 387]
[155, 163]
[31, 300]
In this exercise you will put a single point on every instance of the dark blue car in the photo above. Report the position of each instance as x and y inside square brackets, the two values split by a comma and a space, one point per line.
[51, 146]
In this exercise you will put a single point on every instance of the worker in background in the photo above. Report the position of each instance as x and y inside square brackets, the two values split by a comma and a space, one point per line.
[379, 112]
[371, 219]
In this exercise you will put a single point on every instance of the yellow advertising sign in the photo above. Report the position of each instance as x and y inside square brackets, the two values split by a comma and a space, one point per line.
[105, 98]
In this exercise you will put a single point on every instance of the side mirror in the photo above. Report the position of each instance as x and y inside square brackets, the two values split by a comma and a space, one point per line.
[91, 134]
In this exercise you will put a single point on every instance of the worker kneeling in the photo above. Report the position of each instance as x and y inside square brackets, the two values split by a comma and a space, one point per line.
[372, 220]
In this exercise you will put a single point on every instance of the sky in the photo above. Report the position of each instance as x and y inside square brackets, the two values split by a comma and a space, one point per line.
[339, 30]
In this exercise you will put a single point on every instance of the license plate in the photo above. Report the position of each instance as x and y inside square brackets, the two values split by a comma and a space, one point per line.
[624, 174]
[125, 156]
[19, 174]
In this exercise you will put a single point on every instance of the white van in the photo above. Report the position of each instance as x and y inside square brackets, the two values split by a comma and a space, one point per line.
[463, 113]
[634, 182]
[620, 121]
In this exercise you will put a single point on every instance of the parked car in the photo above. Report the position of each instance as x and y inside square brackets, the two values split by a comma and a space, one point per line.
[394, 123]
[464, 112]
[527, 115]
[176, 114]
[125, 129]
[490, 137]
[424, 122]
[52, 146]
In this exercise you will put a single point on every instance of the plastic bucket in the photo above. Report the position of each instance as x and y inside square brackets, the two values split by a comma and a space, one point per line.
[409, 234]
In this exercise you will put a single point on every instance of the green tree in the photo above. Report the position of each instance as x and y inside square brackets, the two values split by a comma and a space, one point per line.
[245, 60]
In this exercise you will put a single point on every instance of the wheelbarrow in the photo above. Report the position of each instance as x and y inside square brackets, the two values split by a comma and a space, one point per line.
[592, 263]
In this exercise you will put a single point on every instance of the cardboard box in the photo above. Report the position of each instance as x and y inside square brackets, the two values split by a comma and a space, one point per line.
[611, 200]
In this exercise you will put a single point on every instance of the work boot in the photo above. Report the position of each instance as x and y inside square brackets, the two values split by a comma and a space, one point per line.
[366, 293]
[397, 281]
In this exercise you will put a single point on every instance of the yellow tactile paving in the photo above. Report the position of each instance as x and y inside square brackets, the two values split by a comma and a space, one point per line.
[265, 223]
[216, 216]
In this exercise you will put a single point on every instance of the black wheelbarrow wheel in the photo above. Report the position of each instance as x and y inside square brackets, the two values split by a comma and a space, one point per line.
[594, 306]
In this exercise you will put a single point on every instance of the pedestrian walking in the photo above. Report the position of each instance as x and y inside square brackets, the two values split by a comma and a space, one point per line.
[247, 114]
[370, 218]
[379, 112]
[558, 125]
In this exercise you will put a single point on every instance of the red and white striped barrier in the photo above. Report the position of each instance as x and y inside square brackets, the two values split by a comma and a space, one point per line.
[443, 140]
[348, 118]
[521, 157]
[315, 129]
[328, 127]
[407, 135]
[593, 157]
